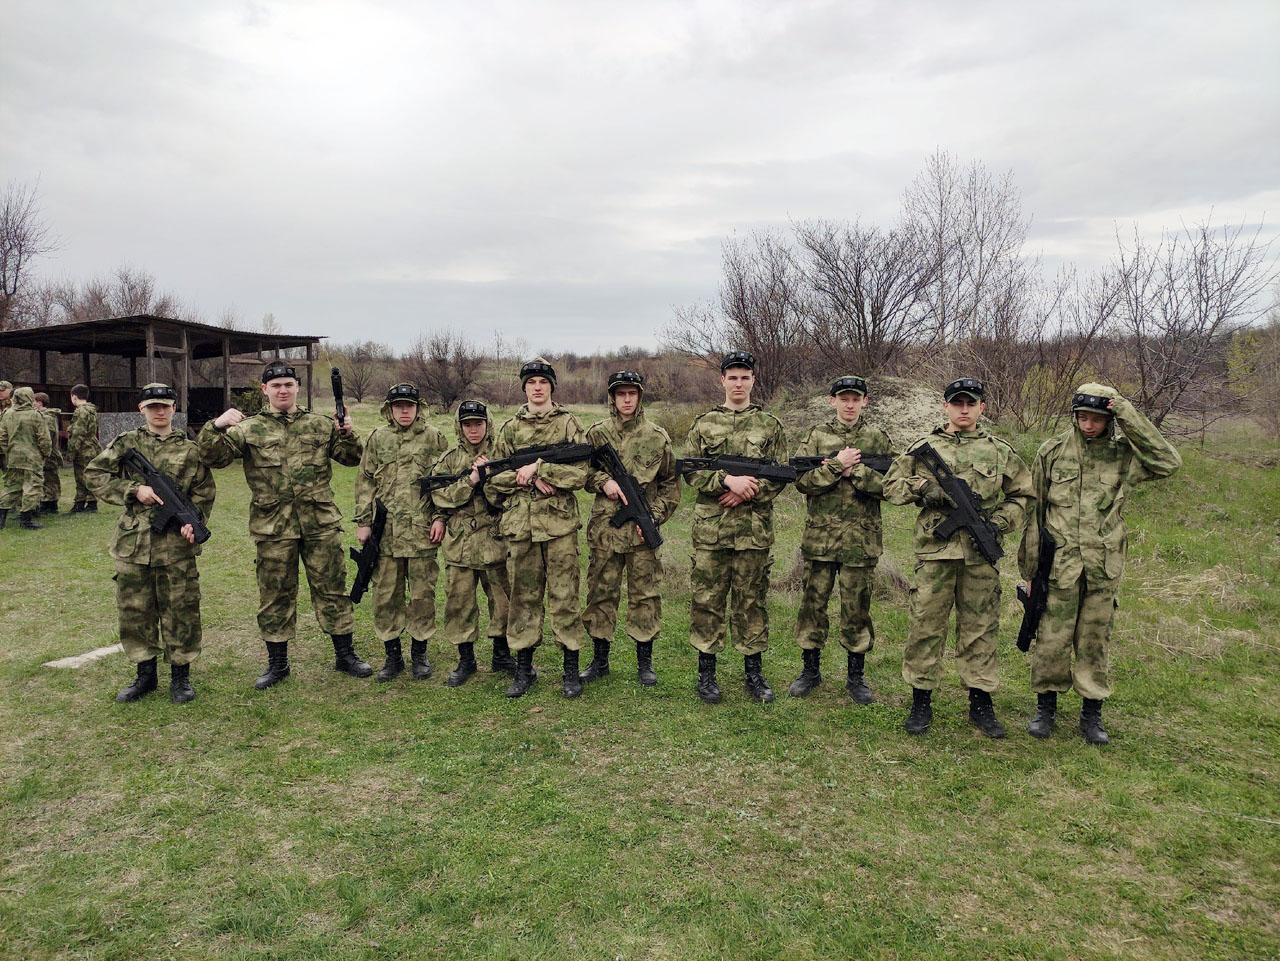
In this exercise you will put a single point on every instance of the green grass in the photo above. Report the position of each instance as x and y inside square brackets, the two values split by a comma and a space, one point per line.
[334, 818]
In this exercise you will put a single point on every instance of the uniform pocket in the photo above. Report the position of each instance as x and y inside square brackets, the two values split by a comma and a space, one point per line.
[266, 455]
[1062, 486]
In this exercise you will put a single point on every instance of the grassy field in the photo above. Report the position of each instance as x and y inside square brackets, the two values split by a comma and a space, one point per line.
[335, 818]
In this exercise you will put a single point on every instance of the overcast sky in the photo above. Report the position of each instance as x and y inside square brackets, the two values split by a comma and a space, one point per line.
[565, 172]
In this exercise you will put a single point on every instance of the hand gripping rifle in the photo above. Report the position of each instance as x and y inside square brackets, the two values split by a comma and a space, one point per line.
[967, 512]
[177, 511]
[550, 453]
[739, 467]
[366, 557]
[1033, 604]
[880, 463]
[340, 408]
[635, 508]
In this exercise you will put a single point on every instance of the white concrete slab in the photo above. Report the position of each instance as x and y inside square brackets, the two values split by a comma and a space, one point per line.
[80, 660]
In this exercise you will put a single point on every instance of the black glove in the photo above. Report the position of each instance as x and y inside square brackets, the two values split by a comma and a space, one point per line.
[931, 494]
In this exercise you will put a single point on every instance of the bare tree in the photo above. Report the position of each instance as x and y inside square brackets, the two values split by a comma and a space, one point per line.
[24, 235]
[363, 364]
[443, 365]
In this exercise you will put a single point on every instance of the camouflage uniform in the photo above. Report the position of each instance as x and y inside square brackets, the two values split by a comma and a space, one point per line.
[83, 446]
[952, 572]
[24, 440]
[52, 480]
[731, 544]
[157, 584]
[541, 531]
[292, 513]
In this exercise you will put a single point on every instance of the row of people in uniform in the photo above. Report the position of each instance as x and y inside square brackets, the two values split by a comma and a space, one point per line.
[30, 453]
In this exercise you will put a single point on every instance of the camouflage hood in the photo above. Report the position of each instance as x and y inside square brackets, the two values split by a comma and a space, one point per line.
[24, 398]
[419, 420]
[1098, 390]
[488, 434]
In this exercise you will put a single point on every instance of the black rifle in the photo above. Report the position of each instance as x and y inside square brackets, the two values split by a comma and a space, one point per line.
[366, 557]
[635, 508]
[739, 467]
[340, 409]
[1033, 604]
[880, 463]
[551, 453]
[966, 513]
[177, 510]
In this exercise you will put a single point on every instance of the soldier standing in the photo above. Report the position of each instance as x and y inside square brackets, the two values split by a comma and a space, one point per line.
[540, 526]
[474, 554]
[83, 446]
[733, 531]
[157, 584]
[286, 451]
[395, 456]
[51, 479]
[1081, 478]
[842, 536]
[951, 573]
[645, 450]
[6, 395]
[24, 442]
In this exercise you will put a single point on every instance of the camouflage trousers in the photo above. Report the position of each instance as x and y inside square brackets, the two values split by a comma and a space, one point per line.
[974, 591]
[277, 565]
[391, 578]
[83, 494]
[1077, 620]
[52, 478]
[604, 592]
[23, 490]
[549, 567]
[856, 633]
[159, 610]
[713, 576]
[461, 609]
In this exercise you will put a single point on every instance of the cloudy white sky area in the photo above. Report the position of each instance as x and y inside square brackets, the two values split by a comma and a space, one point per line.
[565, 172]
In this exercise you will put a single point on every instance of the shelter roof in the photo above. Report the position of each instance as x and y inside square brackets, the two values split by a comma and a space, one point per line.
[127, 337]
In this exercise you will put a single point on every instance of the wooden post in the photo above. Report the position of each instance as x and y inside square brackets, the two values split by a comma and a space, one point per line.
[151, 352]
[85, 357]
[226, 372]
[309, 377]
[186, 372]
[133, 371]
[44, 367]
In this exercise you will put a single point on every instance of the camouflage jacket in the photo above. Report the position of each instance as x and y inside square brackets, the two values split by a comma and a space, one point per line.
[471, 537]
[50, 415]
[842, 522]
[645, 450]
[24, 433]
[987, 464]
[82, 435]
[394, 458]
[286, 464]
[750, 432]
[528, 514]
[178, 458]
[1082, 485]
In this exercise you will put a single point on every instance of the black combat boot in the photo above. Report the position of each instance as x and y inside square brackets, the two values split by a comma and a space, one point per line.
[810, 674]
[503, 662]
[180, 689]
[28, 521]
[418, 657]
[571, 681]
[753, 677]
[346, 660]
[394, 663]
[644, 663]
[466, 665]
[599, 665]
[982, 714]
[4, 518]
[142, 685]
[855, 684]
[277, 665]
[48, 507]
[1091, 722]
[1041, 725]
[525, 675]
[921, 715]
[91, 507]
[707, 687]
[77, 508]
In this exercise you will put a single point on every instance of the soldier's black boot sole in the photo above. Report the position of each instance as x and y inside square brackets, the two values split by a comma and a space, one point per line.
[855, 683]
[810, 674]
[91, 507]
[1041, 725]
[143, 684]
[599, 665]
[466, 665]
[502, 662]
[4, 518]
[77, 508]
[180, 689]
[525, 676]
[982, 714]
[708, 689]
[277, 665]
[418, 660]
[753, 678]
[48, 507]
[921, 715]
[571, 681]
[1091, 722]
[644, 664]
[394, 663]
[347, 661]
[27, 521]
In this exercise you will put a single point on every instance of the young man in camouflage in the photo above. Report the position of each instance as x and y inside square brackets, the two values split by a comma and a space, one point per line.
[6, 395]
[286, 451]
[1082, 477]
[157, 584]
[733, 531]
[395, 456]
[82, 446]
[951, 573]
[540, 526]
[24, 442]
[842, 536]
[51, 479]
[645, 450]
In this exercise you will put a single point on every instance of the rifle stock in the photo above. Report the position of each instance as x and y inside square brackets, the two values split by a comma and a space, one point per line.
[177, 510]
[366, 557]
[967, 513]
[739, 466]
[1034, 604]
[880, 463]
[636, 510]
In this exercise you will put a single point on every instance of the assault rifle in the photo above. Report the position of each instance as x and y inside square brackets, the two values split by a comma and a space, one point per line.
[551, 453]
[366, 557]
[880, 463]
[967, 512]
[635, 507]
[177, 510]
[335, 379]
[1033, 604]
[738, 466]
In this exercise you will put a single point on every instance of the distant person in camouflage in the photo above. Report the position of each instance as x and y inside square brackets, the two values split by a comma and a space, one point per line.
[286, 451]
[540, 527]
[842, 536]
[474, 554]
[733, 531]
[157, 584]
[82, 446]
[1082, 478]
[645, 449]
[395, 456]
[24, 442]
[51, 479]
[951, 573]
[6, 395]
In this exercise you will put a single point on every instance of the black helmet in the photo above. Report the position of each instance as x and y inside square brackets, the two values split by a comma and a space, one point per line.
[625, 378]
[965, 385]
[278, 369]
[537, 368]
[848, 382]
[472, 410]
[738, 358]
[157, 394]
[403, 392]
[1094, 403]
